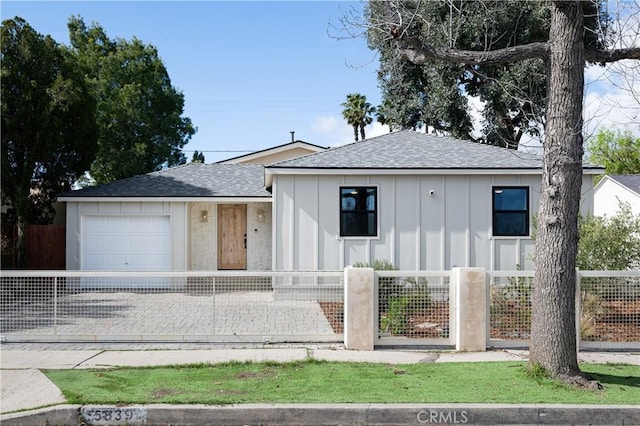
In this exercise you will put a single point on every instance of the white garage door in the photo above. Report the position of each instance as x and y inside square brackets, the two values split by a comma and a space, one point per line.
[126, 243]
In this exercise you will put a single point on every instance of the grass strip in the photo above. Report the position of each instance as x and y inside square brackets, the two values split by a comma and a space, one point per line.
[338, 382]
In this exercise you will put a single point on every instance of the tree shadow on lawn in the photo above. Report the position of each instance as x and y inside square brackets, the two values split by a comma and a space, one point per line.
[612, 379]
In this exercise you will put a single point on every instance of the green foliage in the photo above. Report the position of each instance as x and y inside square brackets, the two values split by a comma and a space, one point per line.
[537, 372]
[396, 318]
[590, 308]
[141, 128]
[357, 111]
[198, 157]
[48, 123]
[398, 298]
[388, 287]
[435, 95]
[609, 243]
[378, 265]
[510, 307]
[617, 151]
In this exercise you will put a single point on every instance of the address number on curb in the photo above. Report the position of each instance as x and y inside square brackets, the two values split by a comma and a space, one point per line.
[114, 415]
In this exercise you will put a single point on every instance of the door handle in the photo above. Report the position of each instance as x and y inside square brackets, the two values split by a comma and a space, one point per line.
[245, 241]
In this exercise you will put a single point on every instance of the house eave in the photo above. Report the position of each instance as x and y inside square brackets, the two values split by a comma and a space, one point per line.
[618, 184]
[332, 171]
[229, 199]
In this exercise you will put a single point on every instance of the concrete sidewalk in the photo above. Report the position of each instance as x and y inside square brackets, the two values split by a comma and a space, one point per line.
[24, 387]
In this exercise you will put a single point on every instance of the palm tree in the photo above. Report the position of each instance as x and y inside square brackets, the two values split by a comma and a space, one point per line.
[357, 111]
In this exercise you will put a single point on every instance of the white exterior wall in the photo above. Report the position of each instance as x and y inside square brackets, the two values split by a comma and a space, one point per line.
[416, 230]
[608, 195]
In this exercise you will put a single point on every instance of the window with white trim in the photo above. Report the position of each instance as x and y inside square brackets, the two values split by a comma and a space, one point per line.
[358, 211]
[510, 211]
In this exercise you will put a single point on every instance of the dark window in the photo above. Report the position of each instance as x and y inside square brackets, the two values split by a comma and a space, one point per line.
[510, 211]
[358, 212]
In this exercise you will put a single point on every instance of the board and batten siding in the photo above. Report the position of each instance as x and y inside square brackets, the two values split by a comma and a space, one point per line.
[176, 211]
[425, 222]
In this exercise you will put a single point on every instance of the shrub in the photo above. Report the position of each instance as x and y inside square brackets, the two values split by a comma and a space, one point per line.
[388, 287]
[610, 243]
[396, 318]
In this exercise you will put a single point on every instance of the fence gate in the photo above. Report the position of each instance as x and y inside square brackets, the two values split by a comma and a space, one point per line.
[67, 306]
[414, 308]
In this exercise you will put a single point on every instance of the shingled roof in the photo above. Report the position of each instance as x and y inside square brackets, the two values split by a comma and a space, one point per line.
[630, 181]
[189, 180]
[412, 150]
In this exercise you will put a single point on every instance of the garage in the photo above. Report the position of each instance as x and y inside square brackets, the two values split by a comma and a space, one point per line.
[126, 243]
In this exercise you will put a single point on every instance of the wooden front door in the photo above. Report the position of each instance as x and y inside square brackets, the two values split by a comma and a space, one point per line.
[232, 236]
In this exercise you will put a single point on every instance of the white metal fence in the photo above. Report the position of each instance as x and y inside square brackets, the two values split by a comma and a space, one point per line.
[413, 308]
[607, 308]
[171, 306]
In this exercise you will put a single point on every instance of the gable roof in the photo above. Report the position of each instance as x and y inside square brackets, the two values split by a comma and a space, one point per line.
[631, 182]
[190, 180]
[409, 149]
[293, 146]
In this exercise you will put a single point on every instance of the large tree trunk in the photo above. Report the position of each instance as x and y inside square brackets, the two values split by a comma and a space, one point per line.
[553, 331]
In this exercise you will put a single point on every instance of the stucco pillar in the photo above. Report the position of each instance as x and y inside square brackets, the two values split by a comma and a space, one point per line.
[359, 306]
[471, 308]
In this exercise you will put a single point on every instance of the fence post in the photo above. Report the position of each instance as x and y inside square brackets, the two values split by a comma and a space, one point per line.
[471, 308]
[578, 309]
[55, 305]
[359, 308]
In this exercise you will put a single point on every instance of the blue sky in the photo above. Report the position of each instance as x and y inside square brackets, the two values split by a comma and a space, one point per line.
[251, 72]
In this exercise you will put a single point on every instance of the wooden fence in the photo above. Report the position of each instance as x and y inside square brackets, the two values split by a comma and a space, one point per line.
[45, 246]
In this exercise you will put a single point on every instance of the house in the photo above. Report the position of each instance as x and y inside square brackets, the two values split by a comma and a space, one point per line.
[614, 189]
[417, 200]
[293, 149]
[192, 217]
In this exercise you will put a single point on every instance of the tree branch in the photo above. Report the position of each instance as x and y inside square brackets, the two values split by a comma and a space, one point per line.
[418, 53]
[603, 56]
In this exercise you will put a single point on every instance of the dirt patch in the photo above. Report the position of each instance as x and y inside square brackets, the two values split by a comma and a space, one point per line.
[164, 392]
[616, 321]
[334, 311]
[268, 372]
[431, 322]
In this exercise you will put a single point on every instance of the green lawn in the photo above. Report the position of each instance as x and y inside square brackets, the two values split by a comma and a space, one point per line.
[332, 382]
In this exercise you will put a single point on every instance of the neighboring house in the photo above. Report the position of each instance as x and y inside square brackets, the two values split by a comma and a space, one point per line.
[417, 200]
[614, 189]
[287, 151]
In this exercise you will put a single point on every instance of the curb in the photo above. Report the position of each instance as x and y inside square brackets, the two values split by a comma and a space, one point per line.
[329, 414]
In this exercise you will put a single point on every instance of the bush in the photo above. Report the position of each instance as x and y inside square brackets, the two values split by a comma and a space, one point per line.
[398, 298]
[609, 243]
[388, 287]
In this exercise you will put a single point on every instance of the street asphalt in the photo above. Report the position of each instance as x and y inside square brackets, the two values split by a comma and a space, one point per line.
[29, 398]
